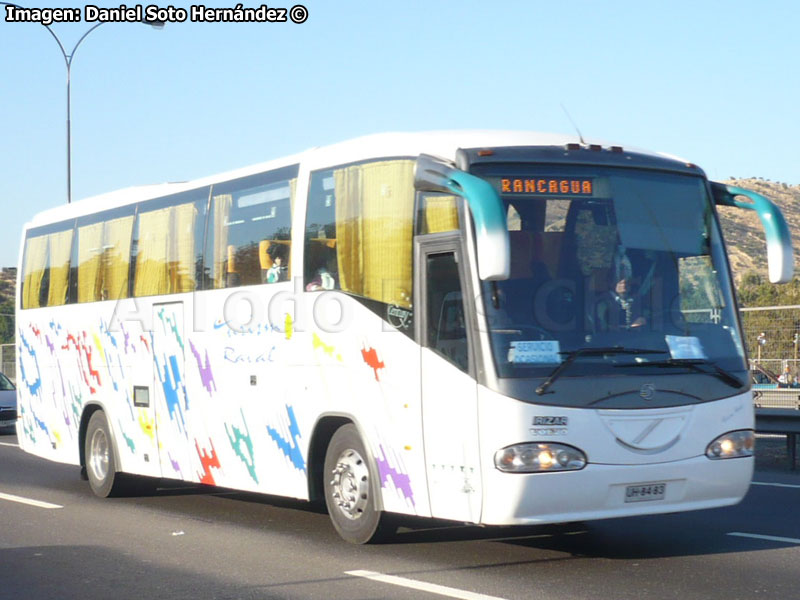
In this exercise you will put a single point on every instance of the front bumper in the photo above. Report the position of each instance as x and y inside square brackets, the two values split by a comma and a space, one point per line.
[598, 491]
[8, 417]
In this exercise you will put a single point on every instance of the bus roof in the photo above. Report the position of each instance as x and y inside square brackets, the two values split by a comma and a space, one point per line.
[444, 144]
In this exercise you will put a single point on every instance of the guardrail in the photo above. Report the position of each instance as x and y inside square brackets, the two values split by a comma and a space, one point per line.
[777, 398]
[778, 412]
[781, 421]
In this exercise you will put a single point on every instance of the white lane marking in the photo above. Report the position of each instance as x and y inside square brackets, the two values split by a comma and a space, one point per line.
[422, 586]
[28, 501]
[10, 445]
[783, 485]
[769, 538]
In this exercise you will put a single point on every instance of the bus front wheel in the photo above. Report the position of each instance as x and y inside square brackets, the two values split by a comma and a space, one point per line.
[351, 481]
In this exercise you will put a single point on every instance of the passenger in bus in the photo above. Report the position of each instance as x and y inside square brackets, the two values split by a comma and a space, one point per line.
[325, 275]
[323, 280]
[278, 271]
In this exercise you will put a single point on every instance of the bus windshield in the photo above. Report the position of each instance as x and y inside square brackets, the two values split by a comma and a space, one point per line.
[612, 258]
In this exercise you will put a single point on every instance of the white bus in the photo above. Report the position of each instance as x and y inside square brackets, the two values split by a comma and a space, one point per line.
[495, 328]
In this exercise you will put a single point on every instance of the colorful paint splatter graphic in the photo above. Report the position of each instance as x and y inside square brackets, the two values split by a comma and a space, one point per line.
[33, 383]
[169, 375]
[401, 480]
[204, 367]
[290, 447]
[329, 350]
[370, 357]
[208, 461]
[63, 368]
[242, 445]
[289, 326]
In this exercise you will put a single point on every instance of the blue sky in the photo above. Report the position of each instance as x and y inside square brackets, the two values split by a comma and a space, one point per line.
[715, 82]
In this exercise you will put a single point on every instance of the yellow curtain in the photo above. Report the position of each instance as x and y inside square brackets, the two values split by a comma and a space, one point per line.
[90, 242]
[374, 230]
[181, 258]
[349, 237]
[151, 260]
[35, 264]
[165, 259]
[388, 212]
[441, 214]
[117, 256]
[60, 247]
[222, 209]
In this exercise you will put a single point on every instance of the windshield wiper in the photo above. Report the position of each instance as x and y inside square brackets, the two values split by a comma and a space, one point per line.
[571, 356]
[697, 365]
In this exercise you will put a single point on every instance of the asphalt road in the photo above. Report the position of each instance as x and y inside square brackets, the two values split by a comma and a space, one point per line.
[196, 543]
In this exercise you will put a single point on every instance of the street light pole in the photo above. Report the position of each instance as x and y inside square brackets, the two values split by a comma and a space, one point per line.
[68, 62]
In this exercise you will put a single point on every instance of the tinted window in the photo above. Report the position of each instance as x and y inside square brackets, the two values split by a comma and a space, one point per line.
[5, 384]
[46, 271]
[437, 213]
[446, 331]
[249, 239]
[167, 246]
[103, 256]
[609, 258]
[359, 231]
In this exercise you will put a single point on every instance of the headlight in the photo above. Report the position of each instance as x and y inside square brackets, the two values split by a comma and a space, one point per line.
[539, 458]
[733, 444]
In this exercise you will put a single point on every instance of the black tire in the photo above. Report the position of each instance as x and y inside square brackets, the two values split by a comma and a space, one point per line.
[101, 460]
[351, 485]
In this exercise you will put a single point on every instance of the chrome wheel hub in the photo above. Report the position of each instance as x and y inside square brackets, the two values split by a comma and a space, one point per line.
[350, 484]
[99, 455]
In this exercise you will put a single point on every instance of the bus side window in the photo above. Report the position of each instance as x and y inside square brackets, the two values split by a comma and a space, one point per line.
[33, 271]
[250, 216]
[46, 270]
[437, 212]
[359, 232]
[446, 330]
[167, 244]
[321, 254]
[103, 260]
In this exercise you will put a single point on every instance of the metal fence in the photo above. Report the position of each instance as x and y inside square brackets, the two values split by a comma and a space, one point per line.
[772, 335]
[8, 364]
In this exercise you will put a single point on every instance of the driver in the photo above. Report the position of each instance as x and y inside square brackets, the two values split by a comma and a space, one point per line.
[620, 308]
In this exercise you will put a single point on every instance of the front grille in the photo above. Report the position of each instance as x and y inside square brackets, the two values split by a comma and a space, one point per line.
[8, 414]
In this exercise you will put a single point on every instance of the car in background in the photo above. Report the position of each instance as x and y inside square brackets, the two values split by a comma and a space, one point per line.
[762, 378]
[8, 405]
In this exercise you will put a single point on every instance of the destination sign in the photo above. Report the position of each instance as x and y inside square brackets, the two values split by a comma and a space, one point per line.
[547, 186]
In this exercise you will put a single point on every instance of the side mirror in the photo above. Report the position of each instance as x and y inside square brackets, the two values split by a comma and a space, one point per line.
[779, 241]
[432, 174]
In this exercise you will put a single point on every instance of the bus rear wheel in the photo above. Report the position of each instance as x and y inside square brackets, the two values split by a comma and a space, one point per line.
[351, 484]
[101, 459]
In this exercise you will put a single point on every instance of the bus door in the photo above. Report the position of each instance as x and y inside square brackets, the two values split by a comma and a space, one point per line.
[449, 389]
[175, 441]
